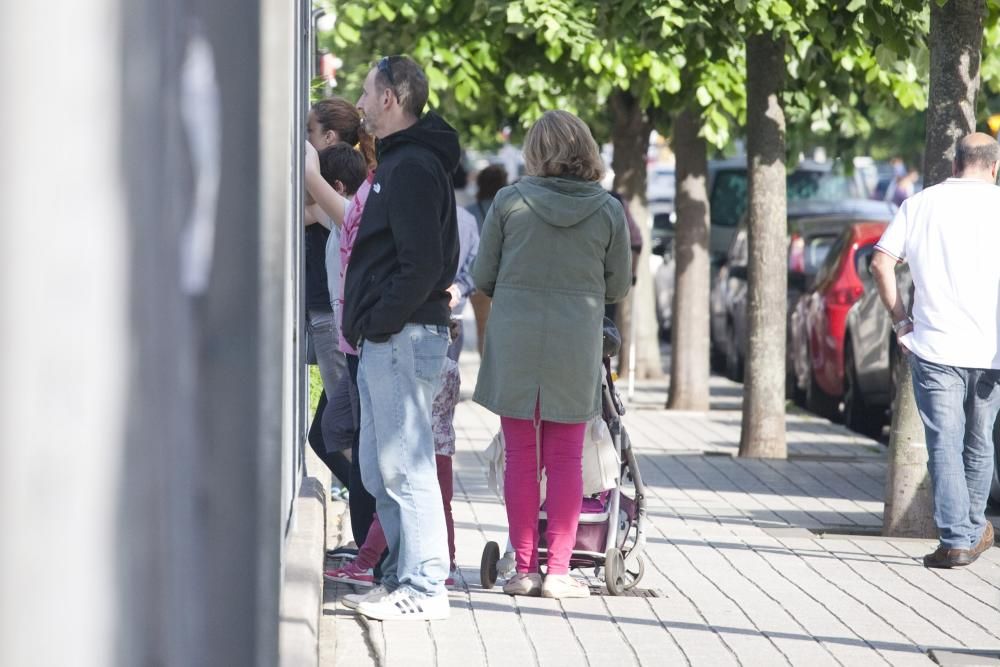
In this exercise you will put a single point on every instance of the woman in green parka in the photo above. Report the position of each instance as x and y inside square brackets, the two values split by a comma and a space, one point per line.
[554, 250]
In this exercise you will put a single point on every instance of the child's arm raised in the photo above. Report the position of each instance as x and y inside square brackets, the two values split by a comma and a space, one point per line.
[326, 197]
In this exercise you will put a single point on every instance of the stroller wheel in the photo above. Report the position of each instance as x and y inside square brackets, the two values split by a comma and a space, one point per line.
[614, 572]
[632, 578]
[488, 565]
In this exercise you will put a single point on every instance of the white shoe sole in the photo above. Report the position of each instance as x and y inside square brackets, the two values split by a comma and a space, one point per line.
[380, 614]
[565, 592]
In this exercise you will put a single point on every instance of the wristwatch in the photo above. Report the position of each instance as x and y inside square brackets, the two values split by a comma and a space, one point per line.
[896, 326]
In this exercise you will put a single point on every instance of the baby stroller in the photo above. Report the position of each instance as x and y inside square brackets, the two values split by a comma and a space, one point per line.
[611, 533]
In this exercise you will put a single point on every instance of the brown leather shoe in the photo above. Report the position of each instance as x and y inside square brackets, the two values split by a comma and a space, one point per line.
[946, 558]
[985, 542]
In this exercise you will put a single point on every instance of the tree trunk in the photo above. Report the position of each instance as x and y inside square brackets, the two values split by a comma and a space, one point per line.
[763, 433]
[909, 500]
[630, 137]
[956, 39]
[689, 315]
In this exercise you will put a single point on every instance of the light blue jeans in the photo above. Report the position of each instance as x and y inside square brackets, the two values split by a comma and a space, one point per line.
[397, 382]
[958, 407]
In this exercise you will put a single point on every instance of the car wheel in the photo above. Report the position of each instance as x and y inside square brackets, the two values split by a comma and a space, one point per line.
[858, 416]
[734, 363]
[717, 360]
[716, 355]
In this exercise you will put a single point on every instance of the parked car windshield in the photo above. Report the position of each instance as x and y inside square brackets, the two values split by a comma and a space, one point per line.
[821, 185]
[729, 191]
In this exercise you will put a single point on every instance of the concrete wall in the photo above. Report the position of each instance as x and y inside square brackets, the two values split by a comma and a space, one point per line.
[151, 395]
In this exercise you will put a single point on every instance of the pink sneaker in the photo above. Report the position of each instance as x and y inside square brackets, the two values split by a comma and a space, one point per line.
[351, 574]
[450, 581]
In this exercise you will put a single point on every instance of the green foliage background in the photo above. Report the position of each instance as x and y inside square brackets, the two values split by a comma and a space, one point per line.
[856, 81]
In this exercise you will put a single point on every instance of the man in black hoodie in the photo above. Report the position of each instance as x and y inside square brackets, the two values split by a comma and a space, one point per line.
[396, 309]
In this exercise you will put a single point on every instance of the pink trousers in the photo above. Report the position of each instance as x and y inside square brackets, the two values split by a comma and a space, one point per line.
[561, 458]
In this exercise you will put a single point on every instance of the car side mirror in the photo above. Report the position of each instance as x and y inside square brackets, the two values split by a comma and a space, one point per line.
[737, 271]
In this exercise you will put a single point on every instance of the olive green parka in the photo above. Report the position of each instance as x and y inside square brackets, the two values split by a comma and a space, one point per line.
[553, 252]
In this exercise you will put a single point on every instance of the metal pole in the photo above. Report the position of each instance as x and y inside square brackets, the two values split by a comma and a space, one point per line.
[633, 318]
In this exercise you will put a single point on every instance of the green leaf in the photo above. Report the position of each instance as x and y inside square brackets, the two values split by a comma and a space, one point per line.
[513, 84]
[704, 98]
[386, 11]
[514, 13]
[347, 32]
[355, 14]
[782, 9]
[856, 5]
[885, 56]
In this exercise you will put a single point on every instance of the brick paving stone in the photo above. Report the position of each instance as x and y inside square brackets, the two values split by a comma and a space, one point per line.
[649, 641]
[980, 580]
[847, 570]
[913, 586]
[552, 636]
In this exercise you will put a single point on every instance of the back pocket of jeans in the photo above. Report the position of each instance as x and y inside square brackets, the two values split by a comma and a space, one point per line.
[428, 356]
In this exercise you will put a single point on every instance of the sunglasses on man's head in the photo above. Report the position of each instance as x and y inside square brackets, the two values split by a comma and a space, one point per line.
[385, 67]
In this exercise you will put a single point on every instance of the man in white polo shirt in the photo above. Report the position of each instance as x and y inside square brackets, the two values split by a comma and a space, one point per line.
[949, 234]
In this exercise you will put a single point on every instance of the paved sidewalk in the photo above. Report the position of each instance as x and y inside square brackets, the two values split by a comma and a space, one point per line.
[752, 563]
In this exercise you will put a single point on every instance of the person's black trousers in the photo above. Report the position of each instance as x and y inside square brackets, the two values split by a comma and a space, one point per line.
[361, 502]
[338, 462]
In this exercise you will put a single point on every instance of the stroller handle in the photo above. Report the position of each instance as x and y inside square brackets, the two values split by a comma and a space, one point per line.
[612, 339]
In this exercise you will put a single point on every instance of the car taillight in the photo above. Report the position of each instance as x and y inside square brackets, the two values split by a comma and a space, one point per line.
[844, 296]
[797, 254]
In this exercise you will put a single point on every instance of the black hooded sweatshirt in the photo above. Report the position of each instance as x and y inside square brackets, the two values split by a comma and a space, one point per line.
[406, 252]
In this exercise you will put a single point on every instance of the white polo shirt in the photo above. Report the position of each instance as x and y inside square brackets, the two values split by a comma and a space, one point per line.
[949, 234]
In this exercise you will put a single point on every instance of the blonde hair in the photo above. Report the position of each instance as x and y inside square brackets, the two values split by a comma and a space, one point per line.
[560, 144]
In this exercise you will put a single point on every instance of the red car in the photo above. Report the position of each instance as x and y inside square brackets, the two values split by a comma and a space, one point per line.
[820, 317]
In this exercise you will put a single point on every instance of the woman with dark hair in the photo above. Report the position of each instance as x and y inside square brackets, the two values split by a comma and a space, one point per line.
[332, 123]
[335, 120]
[554, 250]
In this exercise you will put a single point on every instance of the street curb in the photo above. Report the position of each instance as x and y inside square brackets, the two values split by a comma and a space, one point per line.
[302, 581]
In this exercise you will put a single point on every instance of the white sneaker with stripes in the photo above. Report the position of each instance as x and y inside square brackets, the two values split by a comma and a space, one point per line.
[404, 604]
[352, 600]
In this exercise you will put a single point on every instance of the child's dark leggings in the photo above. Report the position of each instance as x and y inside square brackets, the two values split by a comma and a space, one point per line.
[361, 502]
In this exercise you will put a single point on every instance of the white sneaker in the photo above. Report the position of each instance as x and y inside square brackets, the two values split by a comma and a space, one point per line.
[352, 600]
[403, 604]
[564, 586]
[524, 583]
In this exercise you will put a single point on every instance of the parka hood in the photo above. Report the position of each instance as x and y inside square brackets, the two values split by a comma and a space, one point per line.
[561, 202]
[433, 133]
